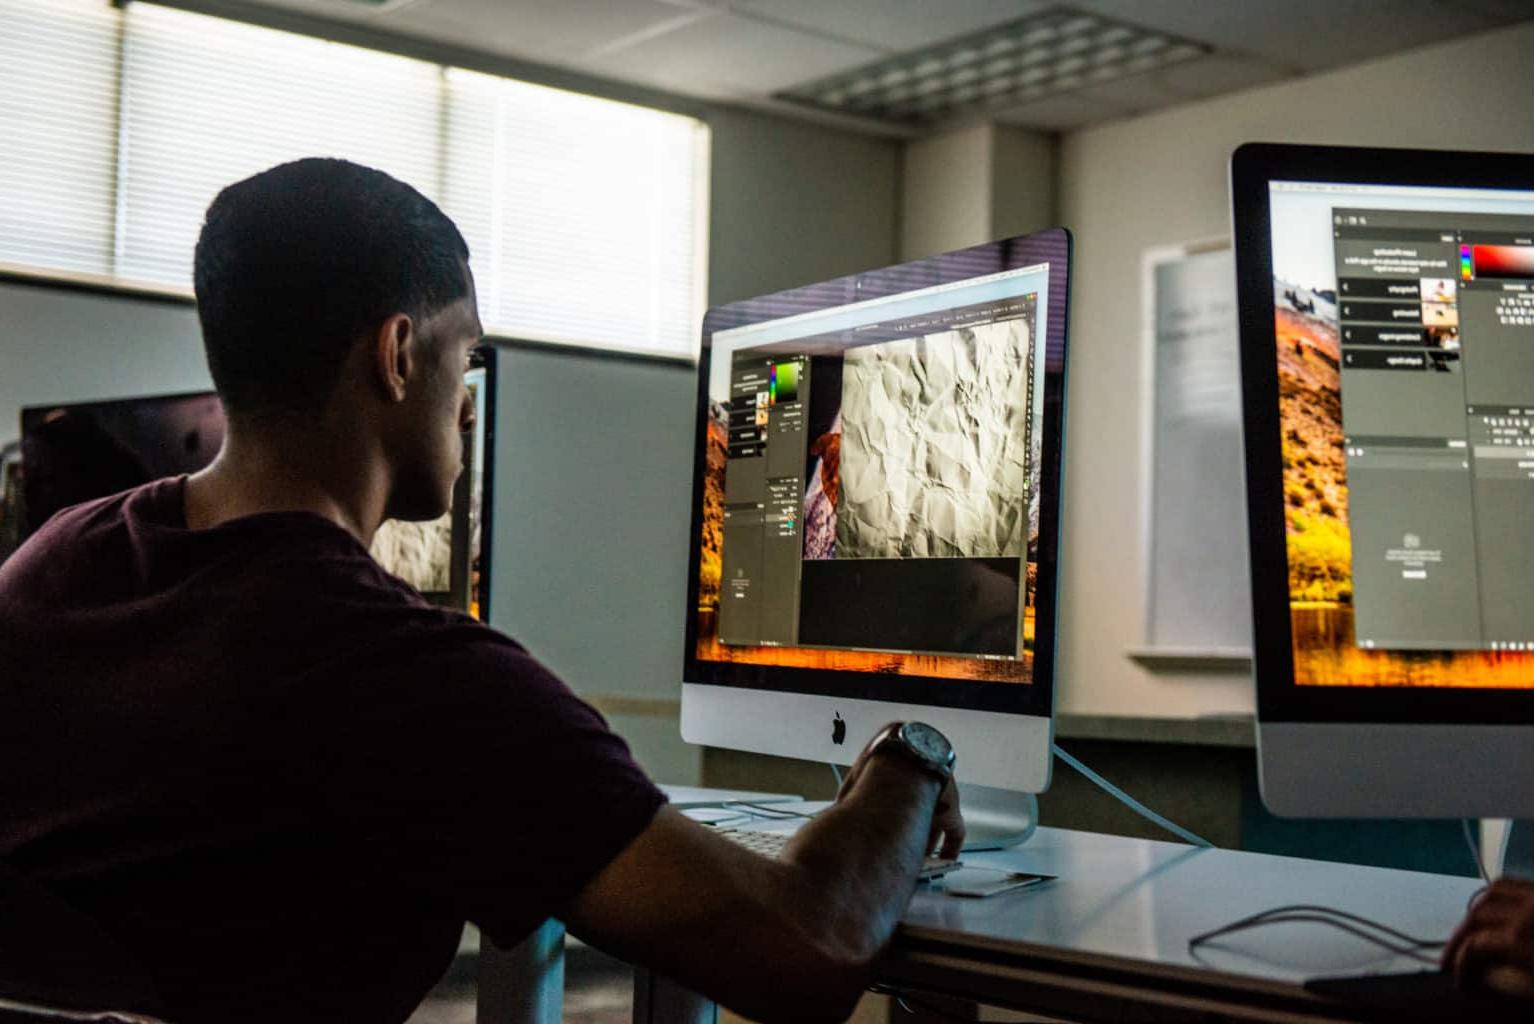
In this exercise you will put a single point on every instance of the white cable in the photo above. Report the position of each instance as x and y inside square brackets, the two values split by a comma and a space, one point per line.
[1113, 791]
[1475, 851]
[1130, 802]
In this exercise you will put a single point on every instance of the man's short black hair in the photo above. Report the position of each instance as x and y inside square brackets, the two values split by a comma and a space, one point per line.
[296, 263]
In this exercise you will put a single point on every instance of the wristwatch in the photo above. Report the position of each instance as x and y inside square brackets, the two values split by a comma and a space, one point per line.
[921, 743]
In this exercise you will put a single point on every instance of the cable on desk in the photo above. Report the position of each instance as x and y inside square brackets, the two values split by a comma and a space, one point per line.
[765, 811]
[1130, 802]
[912, 1005]
[838, 773]
[1475, 851]
[1392, 939]
[915, 1006]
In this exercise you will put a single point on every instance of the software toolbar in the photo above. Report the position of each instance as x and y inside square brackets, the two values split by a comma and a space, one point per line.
[1436, 320]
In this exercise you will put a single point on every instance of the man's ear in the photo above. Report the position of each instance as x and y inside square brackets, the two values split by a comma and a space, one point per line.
[394, 355]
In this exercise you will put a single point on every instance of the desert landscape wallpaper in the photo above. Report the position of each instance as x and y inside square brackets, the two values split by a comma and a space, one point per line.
[1316, 520]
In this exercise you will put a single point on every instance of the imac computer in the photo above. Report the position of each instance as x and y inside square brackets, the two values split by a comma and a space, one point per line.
[77, 452]
[82, 451]
[1387, 359]
[876, 514]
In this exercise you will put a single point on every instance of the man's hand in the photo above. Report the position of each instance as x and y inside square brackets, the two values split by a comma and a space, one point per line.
[1494, 946]
[947, 819]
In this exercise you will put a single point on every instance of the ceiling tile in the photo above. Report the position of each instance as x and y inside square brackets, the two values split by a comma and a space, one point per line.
[1301, 34]
[729, 55]
[1058, 113]
[891, 25]
[334, 10]
[746, 50]
[1502, 10]
[1211, 75]
[534, 29]
[1214, 75]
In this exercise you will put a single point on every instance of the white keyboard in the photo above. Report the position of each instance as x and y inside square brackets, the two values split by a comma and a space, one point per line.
[770, 844]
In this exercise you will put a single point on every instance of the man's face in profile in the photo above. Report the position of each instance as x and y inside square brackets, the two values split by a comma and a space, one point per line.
[439, 411]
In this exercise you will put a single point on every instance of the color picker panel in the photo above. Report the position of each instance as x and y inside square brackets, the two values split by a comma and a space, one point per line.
[1503, 261]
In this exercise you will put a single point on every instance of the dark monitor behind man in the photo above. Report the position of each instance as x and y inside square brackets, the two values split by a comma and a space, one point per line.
[282, 779]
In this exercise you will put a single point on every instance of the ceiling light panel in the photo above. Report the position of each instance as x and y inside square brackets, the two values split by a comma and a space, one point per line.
[1054, 51]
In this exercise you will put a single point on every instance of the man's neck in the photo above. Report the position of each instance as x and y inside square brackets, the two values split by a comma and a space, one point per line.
[290, 468]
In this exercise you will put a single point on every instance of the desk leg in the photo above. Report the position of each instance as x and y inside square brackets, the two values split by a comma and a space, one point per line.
[524, 985]
[659, 1000]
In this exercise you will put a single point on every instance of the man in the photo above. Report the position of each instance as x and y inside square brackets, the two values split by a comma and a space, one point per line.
[283, 780]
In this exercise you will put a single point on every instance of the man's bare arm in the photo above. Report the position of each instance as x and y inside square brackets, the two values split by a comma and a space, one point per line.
[789, 939]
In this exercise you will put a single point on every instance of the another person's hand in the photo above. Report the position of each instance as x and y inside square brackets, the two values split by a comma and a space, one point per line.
[1494, 946]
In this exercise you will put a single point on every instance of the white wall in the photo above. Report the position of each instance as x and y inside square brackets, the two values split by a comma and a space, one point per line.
[946, 192]
[589, 553]
[974, 185]
[66, 346]
[1024, 181]
[794, 203]
[1132, 185]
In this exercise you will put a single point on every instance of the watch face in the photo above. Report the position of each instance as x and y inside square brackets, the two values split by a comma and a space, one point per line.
[928, 742]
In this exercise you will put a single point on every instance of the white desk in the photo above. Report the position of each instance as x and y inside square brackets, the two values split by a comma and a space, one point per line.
[1114, 930]
[1110, 935]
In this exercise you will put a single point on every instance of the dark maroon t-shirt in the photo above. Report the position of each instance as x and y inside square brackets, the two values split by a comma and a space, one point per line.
[277, 775]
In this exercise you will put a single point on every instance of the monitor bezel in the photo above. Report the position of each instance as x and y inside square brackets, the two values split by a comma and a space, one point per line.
[1253, 167]
[1034, 698]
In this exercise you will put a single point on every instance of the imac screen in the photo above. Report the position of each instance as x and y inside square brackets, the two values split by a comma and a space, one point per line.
[1405, 342]
[871, 494]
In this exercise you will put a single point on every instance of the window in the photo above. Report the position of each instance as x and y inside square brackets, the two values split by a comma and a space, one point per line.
[594, 218]
[584, 216]
[58, 117]
[207, 102]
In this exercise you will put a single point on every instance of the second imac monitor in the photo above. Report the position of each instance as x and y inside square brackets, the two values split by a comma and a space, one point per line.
[1387, 332]
[876, 512]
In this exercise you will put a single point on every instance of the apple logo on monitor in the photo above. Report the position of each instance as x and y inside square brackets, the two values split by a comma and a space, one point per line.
[838, 729]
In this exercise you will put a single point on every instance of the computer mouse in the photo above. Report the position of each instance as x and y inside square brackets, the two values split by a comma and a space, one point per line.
[1509, 980]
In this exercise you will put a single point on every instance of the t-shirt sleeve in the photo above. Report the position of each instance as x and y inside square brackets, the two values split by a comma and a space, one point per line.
[470, 773]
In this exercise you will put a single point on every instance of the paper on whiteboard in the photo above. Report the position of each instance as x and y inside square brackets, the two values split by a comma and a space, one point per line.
[1199, 592]
[1196, 349]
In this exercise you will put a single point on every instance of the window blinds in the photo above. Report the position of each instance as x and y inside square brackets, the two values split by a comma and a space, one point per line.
[585, 217]
[594, 223]
[58, 120]
[207, 102]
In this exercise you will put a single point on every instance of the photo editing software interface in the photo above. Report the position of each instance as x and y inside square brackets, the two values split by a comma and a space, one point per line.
[1405, 336]
[871, 498]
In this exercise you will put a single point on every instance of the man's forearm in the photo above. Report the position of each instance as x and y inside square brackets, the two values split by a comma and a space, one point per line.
[776, 940]
[859, 858]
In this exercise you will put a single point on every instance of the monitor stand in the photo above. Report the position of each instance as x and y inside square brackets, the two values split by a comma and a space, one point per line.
[995, 819]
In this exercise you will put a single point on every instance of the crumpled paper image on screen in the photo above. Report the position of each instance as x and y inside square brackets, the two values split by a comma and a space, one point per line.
[934, 447]
[421, 554]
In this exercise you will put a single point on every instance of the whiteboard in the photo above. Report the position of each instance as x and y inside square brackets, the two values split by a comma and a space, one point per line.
[1198, 579]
